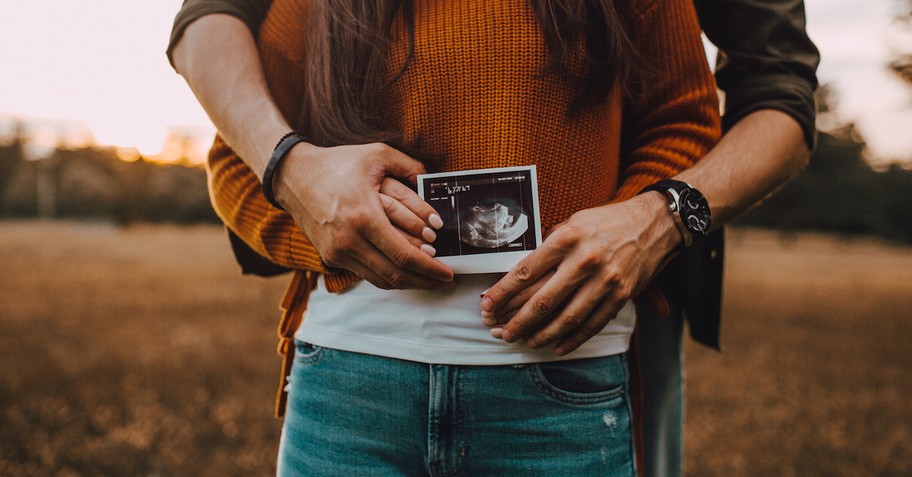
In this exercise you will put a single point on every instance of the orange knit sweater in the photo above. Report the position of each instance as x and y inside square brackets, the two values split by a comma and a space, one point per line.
[473, 97]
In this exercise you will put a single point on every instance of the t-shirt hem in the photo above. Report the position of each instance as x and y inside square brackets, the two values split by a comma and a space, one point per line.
[515, 353]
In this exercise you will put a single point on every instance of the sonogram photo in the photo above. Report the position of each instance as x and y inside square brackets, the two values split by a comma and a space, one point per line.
[489, 211]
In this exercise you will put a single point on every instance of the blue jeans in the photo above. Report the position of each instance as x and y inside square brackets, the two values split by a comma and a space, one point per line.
[661, 356]
[352, 414]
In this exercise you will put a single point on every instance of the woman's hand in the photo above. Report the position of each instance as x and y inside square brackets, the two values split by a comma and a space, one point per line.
[585, 271]
[348, 203]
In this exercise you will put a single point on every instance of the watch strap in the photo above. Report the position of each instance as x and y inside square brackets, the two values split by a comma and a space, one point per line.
[671, 189]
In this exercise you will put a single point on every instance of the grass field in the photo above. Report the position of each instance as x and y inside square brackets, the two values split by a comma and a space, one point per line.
[142, 351]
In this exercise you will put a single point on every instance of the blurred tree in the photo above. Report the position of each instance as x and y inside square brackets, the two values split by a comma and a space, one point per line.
[902, 60]
[92, 183]
[11, 156]
[839, 191]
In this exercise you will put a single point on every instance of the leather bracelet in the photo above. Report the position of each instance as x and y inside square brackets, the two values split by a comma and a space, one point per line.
[288, 141]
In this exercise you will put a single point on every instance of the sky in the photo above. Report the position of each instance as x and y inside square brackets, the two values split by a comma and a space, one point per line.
[857, 39]
[96, 72]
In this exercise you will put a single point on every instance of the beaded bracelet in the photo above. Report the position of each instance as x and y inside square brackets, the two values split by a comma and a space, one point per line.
[288, 141]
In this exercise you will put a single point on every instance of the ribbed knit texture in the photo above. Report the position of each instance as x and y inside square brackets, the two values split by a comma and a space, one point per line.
[472, 98]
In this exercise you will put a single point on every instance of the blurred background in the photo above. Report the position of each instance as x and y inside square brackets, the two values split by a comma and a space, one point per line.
[131, 345]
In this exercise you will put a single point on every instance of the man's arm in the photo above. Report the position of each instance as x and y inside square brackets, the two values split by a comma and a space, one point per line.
[218, 58]
[374, 227]
[758, 154]
[250, 12]
[767, 67]
[766, 59]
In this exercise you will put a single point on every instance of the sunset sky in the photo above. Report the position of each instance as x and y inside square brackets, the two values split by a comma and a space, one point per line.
[78, 72]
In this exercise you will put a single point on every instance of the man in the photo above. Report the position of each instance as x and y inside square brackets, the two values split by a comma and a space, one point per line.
[766, 68]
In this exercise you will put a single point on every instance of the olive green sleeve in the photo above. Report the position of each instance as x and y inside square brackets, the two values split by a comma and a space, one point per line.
[766, 59]
[251, 12]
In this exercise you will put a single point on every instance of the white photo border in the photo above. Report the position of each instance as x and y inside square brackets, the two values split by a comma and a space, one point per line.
[494, 261]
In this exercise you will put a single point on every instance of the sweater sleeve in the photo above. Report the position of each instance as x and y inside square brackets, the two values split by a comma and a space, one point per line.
[237, 198]
[673, 118]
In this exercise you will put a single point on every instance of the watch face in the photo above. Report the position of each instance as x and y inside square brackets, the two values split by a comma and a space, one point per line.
[695, 212]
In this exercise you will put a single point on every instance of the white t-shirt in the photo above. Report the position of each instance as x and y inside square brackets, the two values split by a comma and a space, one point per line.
[437, 327]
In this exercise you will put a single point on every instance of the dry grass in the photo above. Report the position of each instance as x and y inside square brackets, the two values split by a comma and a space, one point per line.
[137, 351]
[816, 373]
[141, 351]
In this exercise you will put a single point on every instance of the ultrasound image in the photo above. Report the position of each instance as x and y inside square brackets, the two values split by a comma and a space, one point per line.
[492, 227]
[485, 212]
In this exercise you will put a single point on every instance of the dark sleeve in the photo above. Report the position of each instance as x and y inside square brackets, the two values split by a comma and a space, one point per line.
[766, 60]
[251, 12]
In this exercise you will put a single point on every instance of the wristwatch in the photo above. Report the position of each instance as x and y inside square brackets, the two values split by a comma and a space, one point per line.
[689, 209]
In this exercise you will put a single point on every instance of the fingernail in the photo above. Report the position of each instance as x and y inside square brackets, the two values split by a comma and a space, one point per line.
[488, 318]
[428, 249]
[487, 304]
[428, 234]
[435, 221]
[497, 332]
[484, 293]
[560, 351]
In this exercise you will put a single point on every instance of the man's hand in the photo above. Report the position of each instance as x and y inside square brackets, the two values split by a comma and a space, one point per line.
[344, 198]
[359, 217]
[587, 268]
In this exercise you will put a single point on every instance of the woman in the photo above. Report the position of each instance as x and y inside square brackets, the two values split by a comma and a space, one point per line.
[605, 98]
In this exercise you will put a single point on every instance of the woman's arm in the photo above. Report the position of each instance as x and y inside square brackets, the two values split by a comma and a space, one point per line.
[590, 266]
[353, 215]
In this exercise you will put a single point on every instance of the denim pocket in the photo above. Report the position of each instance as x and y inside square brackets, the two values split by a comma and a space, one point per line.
[582, 381]
[306, 353]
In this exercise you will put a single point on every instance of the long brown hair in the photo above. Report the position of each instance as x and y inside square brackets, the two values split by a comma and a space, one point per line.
[348, 40]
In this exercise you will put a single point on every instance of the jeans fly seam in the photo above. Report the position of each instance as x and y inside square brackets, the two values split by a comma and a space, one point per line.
[458, 419]
[436, 461]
